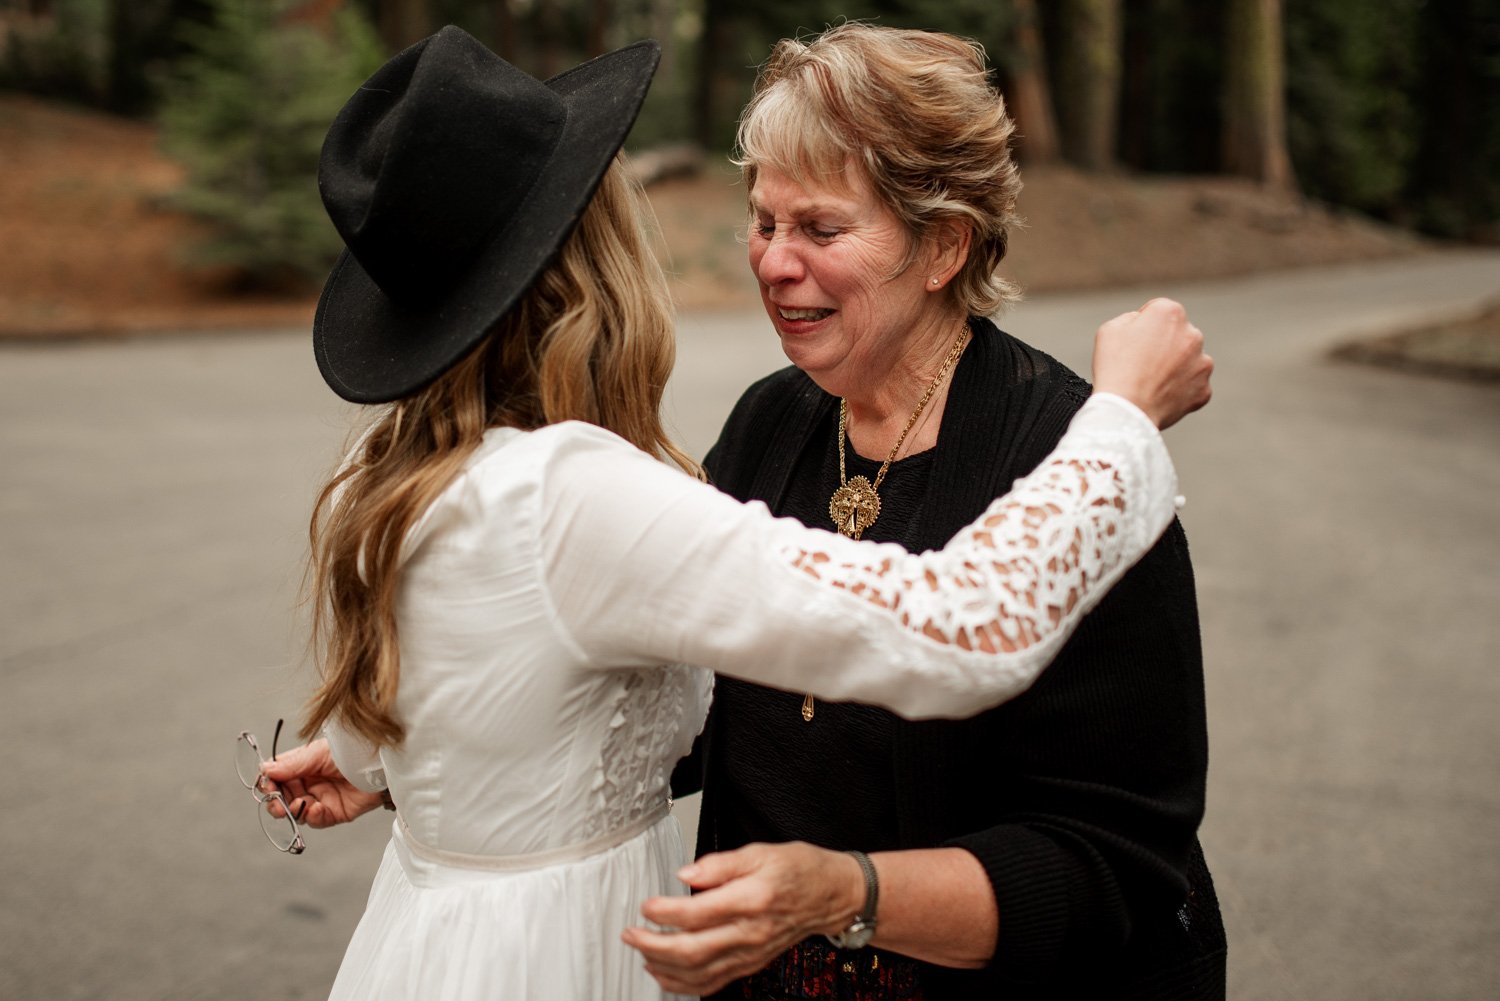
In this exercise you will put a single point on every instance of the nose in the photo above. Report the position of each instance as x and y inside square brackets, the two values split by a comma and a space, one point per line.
[779, 262]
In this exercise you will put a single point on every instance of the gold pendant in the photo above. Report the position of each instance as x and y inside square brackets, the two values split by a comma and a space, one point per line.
[854, 507]
[807, 708]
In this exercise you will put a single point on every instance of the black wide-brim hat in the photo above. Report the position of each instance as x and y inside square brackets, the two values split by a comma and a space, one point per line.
[454, 179]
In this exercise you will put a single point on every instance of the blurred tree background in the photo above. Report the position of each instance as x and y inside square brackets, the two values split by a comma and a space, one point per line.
[1389, 109]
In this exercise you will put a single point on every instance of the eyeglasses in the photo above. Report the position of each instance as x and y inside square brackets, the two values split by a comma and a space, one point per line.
[280, 831]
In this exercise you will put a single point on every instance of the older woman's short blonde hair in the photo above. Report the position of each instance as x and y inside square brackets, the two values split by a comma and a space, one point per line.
[915, 111]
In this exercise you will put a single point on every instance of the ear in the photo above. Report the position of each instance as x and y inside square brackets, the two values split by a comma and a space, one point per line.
[948, 250]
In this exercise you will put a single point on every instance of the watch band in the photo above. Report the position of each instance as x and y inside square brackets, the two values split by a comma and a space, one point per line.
[872, 888]
[862, 929]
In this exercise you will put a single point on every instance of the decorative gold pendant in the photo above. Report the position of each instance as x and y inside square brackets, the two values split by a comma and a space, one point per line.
[854, 507]
[807, 708]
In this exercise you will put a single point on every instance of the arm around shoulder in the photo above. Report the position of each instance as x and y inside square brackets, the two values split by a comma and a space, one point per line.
[646, 565]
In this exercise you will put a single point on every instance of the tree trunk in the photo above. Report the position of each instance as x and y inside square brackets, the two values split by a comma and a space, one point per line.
[126, 90]
[1030, 97]
[551, 31]
[1255, 94]
[504, 29]
[1089, 81]
[402, 22]
[598, 40]
[664, 30]
[712, 44]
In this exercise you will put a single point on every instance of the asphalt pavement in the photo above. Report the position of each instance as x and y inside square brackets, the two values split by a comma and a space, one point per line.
[153, 502]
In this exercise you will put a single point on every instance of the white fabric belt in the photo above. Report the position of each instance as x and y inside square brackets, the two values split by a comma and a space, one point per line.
[531, 860]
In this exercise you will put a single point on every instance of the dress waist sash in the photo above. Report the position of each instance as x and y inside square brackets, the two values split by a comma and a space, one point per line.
[531, 860]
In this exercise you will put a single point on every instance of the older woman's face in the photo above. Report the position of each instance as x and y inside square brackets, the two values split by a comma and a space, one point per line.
[826, 259]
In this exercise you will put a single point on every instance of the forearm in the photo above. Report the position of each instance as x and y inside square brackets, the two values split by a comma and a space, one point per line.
[936, 905]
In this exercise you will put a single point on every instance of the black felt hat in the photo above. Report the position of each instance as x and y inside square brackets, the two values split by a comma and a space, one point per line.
[454, 179]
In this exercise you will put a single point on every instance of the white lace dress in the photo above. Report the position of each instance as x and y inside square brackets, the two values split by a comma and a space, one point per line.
[543, 591]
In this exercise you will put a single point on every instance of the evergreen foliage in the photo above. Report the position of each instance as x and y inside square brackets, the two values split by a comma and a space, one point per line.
[1351, 83]
[70, 60]
[245, 112]
[1392, 109]
[1395, 110]
[757, 26]
[1454, 187]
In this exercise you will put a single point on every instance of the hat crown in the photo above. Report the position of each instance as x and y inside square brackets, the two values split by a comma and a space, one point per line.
[455, 180]
[431, 158]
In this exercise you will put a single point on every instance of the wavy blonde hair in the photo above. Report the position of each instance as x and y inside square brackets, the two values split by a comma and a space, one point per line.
[592, 340]
[915, 111]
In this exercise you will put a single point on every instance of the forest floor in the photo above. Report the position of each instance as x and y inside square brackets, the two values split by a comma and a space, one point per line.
[92, 251]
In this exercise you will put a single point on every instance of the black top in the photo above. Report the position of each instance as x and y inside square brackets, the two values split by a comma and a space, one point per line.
[1080, 798]
[769, 796]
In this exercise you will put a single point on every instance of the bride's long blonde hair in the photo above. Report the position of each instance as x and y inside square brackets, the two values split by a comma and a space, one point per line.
[592, 340]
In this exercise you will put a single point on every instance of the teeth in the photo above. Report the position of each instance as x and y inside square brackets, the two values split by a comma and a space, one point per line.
[804, 314]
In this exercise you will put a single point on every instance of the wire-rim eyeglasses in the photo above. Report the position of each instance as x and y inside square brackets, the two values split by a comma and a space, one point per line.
[281, 831]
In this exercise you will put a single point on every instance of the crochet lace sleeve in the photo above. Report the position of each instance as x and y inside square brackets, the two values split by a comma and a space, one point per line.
[696, 577]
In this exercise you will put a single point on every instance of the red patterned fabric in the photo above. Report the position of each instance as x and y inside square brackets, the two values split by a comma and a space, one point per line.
[813, 969]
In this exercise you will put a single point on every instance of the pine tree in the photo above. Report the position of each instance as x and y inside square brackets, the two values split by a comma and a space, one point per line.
[246, 113]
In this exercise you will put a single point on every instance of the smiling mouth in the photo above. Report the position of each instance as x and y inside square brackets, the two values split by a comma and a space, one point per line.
[803, 314]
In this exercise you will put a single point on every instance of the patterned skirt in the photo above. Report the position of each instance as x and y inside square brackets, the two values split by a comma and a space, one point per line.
[814, 969]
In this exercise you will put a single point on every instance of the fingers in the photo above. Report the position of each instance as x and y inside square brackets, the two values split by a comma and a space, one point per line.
[299, 806]
[720, 867]
[314, 814]
[291, 763]
[702, 962]
[1154, 358]
[724, 891]
[721, 905]
[306, 811]
[1193, 397]
[1163, 308]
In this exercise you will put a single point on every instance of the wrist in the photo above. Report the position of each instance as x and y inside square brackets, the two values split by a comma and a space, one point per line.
[1130, 403]
[859, 900]
[851, 892]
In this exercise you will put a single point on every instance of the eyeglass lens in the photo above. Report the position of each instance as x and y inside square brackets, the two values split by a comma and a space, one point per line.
[280, 831]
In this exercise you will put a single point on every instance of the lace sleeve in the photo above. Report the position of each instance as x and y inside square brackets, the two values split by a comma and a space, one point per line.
[662, 569]
[1037, 559]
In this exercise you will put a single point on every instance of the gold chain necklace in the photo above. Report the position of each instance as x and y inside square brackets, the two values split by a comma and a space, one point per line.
[855, 505]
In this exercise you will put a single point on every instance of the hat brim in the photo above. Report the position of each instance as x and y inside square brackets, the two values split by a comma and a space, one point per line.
[371, 349]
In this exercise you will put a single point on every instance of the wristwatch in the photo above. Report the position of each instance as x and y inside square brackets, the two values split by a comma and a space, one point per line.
[859, 933]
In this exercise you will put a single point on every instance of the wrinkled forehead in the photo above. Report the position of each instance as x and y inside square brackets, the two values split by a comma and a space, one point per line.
[775, 191]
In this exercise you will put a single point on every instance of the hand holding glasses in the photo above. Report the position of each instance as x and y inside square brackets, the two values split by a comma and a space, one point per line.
[281, 831]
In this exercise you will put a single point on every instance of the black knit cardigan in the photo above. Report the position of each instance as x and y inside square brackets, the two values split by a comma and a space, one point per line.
[1082, 797]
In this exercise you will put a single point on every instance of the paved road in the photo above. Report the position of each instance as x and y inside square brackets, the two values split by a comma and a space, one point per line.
[1343, 521]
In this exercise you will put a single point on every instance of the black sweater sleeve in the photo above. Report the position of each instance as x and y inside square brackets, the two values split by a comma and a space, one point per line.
[1096, 777]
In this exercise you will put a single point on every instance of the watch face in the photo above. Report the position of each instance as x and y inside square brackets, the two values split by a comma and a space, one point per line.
[856, 936]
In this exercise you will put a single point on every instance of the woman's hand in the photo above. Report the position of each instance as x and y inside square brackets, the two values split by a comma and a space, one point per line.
[1154, 358]
[751, 905]
[315, 789]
